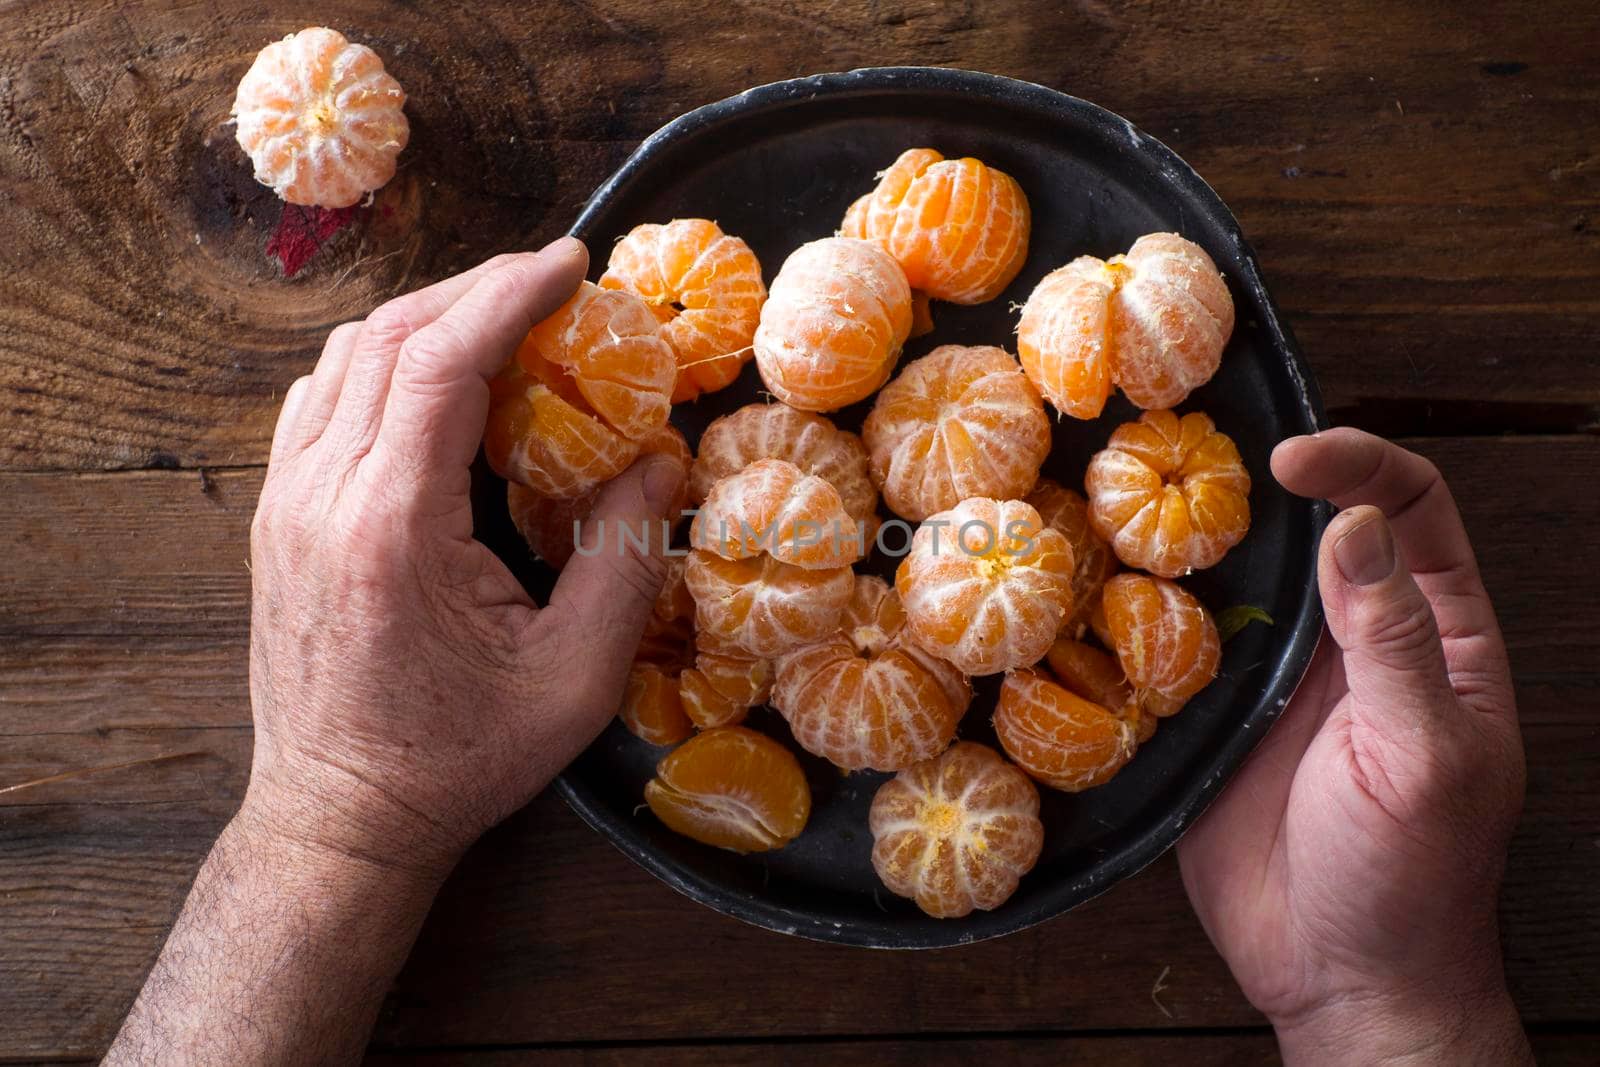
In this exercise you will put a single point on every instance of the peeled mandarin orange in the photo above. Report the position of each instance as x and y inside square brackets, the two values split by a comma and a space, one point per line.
[866, 697]
[652, 708]
[550, 440]
[1171, 495]
[704, 285]
[763, 606]
[986, 585]
[772, 506]
[833, 324]
[732, 788]
[1153, 321]
[1096, 676]
[777, 431]
[956, 832]
[320, 119]
[958, 227]
[1164, 638]
[1058, 737]
[959, 422]
[1093, 561]
[724, 683]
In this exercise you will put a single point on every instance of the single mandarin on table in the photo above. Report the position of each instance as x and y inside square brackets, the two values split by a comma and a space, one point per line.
[1095, 675]
[763, 606]
[866, 697]
[986, 585]
[704, 285]
[1093, 561]
[732, 788]
[1153, 321]
[1171, 495]
[956, 832]
[778, 431]
[962, 421]
[1060, 738]
[774, 507]
[958, 227]
[320, 119]
[1164, 638]
[833, 324]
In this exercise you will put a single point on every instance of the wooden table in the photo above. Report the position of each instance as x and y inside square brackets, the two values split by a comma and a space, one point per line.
[1422, 182]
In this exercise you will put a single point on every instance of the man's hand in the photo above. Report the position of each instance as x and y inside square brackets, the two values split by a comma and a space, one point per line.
[1349, 873]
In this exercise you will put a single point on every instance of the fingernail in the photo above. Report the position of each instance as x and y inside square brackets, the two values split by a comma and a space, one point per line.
[563, 248]
[1365, 553]
[663, 478]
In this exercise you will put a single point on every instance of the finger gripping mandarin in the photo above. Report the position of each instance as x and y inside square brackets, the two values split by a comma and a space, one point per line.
[833, 324]
[704, 285]
[865, 697]
[958, 227]
[763, 606]
[777, 431]
[1058, 737]
[320, 119]
[956, 832]
[772, 506]
[959, 422]
[732, 788]
[1164, 638]
[986, 585]
[1093, 561]
[1153, 321]
[1171, 495]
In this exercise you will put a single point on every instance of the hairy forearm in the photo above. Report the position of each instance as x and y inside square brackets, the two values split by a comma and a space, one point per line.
[281, 954]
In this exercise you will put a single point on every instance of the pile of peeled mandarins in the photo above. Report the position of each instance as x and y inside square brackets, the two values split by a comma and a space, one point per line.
[1006, 572]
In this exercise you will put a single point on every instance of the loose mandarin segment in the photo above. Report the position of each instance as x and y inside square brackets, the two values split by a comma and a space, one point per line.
[1171, 495]
[1096, 676]
[732, 788]
[704, 285]
[777, 431]
[833, 324]
[958, 227]
[956, 832]
[320, 119]
[986, 585]
[1058, 737]
[772, 506]
[1164, 638]
[866, 697]
[1068, 512]
[763, 606]
[651, 707]
[1153, 321]
[959, 422]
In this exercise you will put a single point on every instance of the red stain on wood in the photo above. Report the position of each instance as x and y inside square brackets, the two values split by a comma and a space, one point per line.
[302, 231]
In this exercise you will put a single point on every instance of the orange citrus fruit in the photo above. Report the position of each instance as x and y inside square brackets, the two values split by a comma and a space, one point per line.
[956, 832]
[652, 709]
[320, 119]
[959, 422]
[763, 606]
[651, 706]
[1153, 321]
[1058, 737]
[833, 324]
[958, 227]
[777, 431]
[1171, 495]
[704, 285]
[724, 683]
[866, 697]
[1093, 561]
[732, 788]
[1164, 638]
[772, 506]
[1096, 676]
[986, 585]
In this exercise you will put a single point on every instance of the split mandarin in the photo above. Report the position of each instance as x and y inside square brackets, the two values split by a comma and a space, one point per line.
[724, 683]
[774, 507]
[1058, 737]
[763, 606]
[960, 422]
[551, 443]
[866, 697]
[833, 324]
[956, 832]
[320, 119]
[1171, 495]
[1164, 639]
[986, 585]
[652, 709]
[1096, 676]
[1093, 561]
[958, 227]
[732, 788]
[777, 431]
[704, 286]
[1153, 322]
